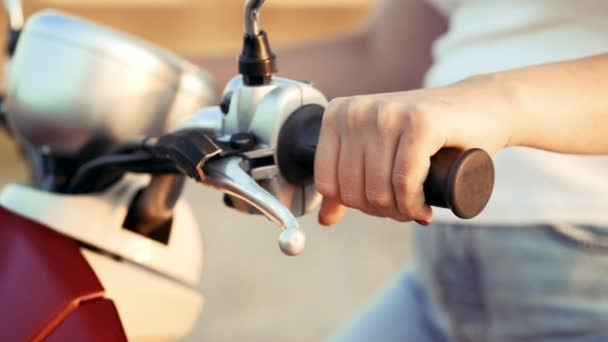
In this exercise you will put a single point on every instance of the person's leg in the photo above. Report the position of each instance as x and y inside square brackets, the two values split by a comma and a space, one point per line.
[401, 313]
[524, 283]
[545, 283]
[496, 283]
[449, 269]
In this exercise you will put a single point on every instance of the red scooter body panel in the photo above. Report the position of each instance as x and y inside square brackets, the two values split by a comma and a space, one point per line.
[93, 321]
[46, 282]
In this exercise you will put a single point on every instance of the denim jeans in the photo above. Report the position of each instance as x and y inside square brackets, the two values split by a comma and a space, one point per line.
[496, 283]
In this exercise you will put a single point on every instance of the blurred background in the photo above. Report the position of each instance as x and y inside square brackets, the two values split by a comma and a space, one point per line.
[252, 292]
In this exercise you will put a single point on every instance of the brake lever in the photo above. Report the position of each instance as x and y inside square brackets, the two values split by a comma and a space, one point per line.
[219, 164]
[227, 175]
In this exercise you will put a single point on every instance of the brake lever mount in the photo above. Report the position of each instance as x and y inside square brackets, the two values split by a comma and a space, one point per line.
[257, 103]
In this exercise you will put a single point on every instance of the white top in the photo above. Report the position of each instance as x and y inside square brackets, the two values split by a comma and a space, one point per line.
[532, 186]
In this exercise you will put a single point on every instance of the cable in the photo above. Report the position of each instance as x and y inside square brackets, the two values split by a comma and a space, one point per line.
[101, 172]
[137, 145]
[180, 152]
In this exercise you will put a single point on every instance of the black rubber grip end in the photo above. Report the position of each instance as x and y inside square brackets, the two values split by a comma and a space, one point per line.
[460, 181]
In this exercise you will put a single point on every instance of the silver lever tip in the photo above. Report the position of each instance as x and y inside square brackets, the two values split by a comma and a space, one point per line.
[292, 241]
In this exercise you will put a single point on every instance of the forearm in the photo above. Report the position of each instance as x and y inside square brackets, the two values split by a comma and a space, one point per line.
[561, 106]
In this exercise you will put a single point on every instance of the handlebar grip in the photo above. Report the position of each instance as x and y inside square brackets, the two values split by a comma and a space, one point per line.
[460, 181]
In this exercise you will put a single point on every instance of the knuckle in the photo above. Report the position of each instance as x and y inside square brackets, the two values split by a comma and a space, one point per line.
[418, 119]
[379, 199]
[418, 108]
[386, 114]
[352, 121]
[358, 103]
[333, 110]
[358, 111]
[336, 104]
[350, 199]
[326, 188]
[401, 181]
[403, 186]
[407, 190]
[351, 195]
[406, 211]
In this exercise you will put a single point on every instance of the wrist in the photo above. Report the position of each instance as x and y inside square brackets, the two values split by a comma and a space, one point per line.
[509, 109]
[490, 107]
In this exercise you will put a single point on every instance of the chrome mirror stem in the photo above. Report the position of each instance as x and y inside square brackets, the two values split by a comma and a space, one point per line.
[15, 13]
[252, 17]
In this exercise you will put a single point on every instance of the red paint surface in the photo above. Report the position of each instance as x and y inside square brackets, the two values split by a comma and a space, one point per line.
[93, 321]
[43, 278]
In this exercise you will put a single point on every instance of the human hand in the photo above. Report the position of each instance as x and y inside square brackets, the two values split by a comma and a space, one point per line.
[374, 151]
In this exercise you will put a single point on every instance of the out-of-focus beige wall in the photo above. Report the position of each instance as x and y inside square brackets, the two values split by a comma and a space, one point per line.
[212, 26]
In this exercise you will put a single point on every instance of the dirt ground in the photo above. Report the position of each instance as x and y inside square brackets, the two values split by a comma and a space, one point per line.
[254, 293]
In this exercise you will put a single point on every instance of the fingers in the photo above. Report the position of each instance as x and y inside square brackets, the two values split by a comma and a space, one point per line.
[374, 156]
[410, 170]
[326, 168]
[379, 160]
[354, 126]
[331, 212]
[351, 174]
[326, 159]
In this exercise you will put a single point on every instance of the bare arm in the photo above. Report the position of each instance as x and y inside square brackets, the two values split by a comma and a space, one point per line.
[391, 52]
[561, 107]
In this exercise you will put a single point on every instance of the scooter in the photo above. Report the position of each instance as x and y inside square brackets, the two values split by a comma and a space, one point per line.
[74, 261]
[100, 245]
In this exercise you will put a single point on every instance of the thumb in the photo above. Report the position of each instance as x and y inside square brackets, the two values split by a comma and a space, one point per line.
[331, 212]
